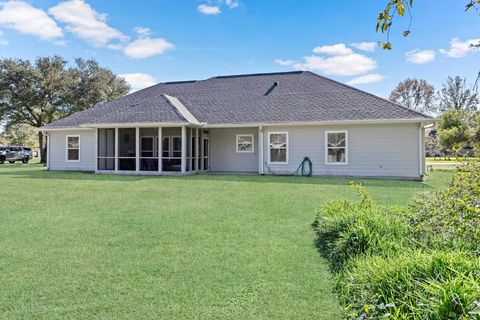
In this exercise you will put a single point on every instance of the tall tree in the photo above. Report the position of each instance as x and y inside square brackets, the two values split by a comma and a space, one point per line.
[456, 95]
[20, 135]
[46, 90]
[415, 94]
[456, 128]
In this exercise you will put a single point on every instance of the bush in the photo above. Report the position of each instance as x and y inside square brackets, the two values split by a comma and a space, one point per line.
[451, 217]
[349, 229]
[415, 284]
[420, 262]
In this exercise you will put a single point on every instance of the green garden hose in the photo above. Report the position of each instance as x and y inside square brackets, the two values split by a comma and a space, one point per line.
[304, 169]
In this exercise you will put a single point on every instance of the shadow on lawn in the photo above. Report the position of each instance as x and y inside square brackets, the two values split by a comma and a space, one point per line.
[38, 172]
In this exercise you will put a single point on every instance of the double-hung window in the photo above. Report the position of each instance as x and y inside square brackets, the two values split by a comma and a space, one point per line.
[336, 147]
[73, 148]
[278, 147]
[245, 143]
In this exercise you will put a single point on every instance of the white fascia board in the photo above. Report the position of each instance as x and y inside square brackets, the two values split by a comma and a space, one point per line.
[182, 109]
[316, 123]
[64, 129]
[133, 125]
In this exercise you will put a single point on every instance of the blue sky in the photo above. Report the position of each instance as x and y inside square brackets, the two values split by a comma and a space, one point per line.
[152, 41]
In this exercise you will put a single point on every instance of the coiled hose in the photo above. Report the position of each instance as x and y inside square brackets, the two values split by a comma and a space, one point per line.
[305, 169]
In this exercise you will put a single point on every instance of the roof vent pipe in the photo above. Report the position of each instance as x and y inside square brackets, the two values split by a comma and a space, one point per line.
[275, 84]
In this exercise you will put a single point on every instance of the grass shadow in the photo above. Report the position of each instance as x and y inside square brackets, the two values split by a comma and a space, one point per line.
[37, 171]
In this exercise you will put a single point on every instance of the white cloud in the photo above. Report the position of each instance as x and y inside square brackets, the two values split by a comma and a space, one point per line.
[86, 23]
[208, 10]
[337, 59]
[147, 47]
[420, 56]
[368, 78]
[338, 49]
[232, 3]
[344, 65]
[284, 62]
[27, 19]
[143, 31]
[459, 48]
[365, 46]
[138, 81]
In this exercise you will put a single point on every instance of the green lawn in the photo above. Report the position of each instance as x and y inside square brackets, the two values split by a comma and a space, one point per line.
[79, 245]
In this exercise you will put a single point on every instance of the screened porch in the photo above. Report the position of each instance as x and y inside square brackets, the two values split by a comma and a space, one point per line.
[152, 150]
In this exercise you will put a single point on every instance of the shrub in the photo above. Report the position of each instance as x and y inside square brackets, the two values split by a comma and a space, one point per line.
[347, 229]
[414, 284]
[420, 262]
[451, 217]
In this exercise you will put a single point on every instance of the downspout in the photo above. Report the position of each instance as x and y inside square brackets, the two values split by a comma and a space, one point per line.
[45, 134]
[421, 153]
[260, 150]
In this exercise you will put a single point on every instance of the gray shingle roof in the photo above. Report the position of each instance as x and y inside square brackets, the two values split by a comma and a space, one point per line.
[299, 96]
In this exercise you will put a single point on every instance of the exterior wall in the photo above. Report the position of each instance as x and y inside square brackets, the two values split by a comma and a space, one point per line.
[374, 150]
[223, 151]
[58, 145]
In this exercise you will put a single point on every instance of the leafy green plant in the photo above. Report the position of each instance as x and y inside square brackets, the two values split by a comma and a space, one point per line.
[413, 284]
[450, 217]
[347, 229]
[420, 262]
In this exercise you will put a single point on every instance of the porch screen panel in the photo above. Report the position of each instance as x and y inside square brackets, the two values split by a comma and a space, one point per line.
[106, 149]
[126, 149]
[149, 149]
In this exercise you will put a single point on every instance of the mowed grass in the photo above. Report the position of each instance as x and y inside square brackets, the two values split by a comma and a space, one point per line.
[79, 245]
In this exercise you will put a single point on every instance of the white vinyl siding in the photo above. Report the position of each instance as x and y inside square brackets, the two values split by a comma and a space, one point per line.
[223, 153]
[374, 150]
[58, 150]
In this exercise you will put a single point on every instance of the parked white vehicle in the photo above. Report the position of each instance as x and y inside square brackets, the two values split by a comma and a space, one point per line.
[13, 154]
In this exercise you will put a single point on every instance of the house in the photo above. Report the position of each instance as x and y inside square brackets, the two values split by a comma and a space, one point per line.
[261, 123]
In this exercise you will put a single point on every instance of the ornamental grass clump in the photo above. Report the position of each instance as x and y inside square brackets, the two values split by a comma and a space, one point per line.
[419, 262]
[348, 229]
[412, 285]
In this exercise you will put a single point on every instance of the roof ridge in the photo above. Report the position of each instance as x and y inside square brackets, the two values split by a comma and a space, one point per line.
[179, 82]
[256, 74]
[180, 109]
[368, 93]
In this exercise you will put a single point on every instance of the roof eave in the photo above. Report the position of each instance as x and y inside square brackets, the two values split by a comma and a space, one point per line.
[314, 123]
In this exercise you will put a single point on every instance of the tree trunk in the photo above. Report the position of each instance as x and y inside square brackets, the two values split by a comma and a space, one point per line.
[43, 148]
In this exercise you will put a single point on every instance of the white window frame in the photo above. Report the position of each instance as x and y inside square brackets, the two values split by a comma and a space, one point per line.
[67, 148]
[253, 143]
[346, 148]
[269, 149]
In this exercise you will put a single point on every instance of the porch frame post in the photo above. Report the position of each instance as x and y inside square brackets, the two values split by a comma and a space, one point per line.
[47, 135]
[197, 152]
[96, 150]
[160, 149]
[184, 150]
[116, 150]
[137, 149]
[202, 161]
[260, 150]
